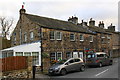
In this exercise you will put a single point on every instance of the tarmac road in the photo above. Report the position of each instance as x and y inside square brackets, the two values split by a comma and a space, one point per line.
[95, 72]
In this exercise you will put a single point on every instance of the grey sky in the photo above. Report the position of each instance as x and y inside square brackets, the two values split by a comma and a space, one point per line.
[102, 10]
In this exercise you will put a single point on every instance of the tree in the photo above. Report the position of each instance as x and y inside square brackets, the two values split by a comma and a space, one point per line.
[5, 25]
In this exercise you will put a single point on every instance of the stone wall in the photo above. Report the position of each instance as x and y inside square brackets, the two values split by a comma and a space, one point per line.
[23, 73]
[116, 53]
[4, 43]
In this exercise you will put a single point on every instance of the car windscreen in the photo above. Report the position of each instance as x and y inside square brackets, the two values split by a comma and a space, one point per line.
[90, 55]
[61, 61]
[100, 55]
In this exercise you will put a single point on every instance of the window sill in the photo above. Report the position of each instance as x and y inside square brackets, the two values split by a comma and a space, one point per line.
[52, 39]
[59, 39]
[81, 40]
[91, 41]
[102, 37]
[72, 40]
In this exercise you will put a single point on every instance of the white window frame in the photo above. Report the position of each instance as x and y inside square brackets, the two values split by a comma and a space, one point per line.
[91, 38]
[70, 54]
[35, 58]
[108, 37]
[25, 37]
[70, 37]
[19, 53]
[52, 53]
[53, 36]
[60, 35]
[14, 40]
[24, 54]
[57, 55]
[31, 35]
[82, 37]
[102, 36]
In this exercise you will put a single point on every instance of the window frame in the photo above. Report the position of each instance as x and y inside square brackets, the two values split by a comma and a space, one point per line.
[82, 37]
[91, 38]
[35, 56]
[53, 56]
[73, 37]
[57, 55]
[52, 35]
[60, 35]
[70, 55]
[31, 35]
[18, 53]
[14, 40]
[25, 37]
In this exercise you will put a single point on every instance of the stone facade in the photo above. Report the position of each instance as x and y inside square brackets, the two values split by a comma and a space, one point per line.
[41, 28]
[116, 44]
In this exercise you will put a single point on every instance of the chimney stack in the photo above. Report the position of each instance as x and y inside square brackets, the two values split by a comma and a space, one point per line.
[101, 24]
[22, 10]
[73, 19]
[84, 23]
[91, 22]
[111, 27]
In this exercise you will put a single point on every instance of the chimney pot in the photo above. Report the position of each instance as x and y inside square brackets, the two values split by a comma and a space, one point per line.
[111, 24]
[22, 6]
[82, 21]
[90, 19]
[102, 22]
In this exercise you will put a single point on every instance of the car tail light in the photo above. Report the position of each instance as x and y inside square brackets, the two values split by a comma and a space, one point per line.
[97, 61]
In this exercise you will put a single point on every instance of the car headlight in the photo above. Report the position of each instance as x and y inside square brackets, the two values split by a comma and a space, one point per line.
[57, 68]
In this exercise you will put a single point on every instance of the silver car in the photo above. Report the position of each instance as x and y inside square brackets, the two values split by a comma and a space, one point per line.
[64, 66]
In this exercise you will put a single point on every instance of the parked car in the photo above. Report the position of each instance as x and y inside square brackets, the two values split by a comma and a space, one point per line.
[64, 66]
[98, 59]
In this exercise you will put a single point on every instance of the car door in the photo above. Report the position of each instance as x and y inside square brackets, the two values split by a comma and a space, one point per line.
[70, 65]
[107, 60]
[77, 64]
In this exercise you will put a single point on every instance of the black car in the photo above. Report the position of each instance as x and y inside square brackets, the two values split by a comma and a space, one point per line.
[98, 59]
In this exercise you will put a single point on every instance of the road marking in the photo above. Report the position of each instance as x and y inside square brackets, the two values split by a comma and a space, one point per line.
[101, 72]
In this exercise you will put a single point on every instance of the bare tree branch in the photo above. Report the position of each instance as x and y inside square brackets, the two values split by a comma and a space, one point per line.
[5, 25]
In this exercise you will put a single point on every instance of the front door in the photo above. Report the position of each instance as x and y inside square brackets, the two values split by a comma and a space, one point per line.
[75, 54]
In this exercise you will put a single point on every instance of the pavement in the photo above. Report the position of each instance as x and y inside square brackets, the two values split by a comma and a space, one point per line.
[41, 75]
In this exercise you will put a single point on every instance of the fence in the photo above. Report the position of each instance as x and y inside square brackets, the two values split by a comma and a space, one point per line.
[13, 63]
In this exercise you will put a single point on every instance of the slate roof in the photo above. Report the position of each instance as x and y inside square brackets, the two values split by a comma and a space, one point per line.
[57, 24]
[64, 25]
[98, 29]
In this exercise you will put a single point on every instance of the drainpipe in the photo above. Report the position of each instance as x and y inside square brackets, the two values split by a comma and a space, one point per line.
[41, 49]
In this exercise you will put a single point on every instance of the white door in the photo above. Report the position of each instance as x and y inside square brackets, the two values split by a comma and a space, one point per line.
[75, 54]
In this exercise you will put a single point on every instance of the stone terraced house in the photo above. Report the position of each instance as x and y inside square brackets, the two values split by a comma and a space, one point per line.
[60, 39]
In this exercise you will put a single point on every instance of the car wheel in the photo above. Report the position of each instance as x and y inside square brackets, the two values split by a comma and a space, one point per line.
[82, 68]
[63, 72]
[100, 64]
